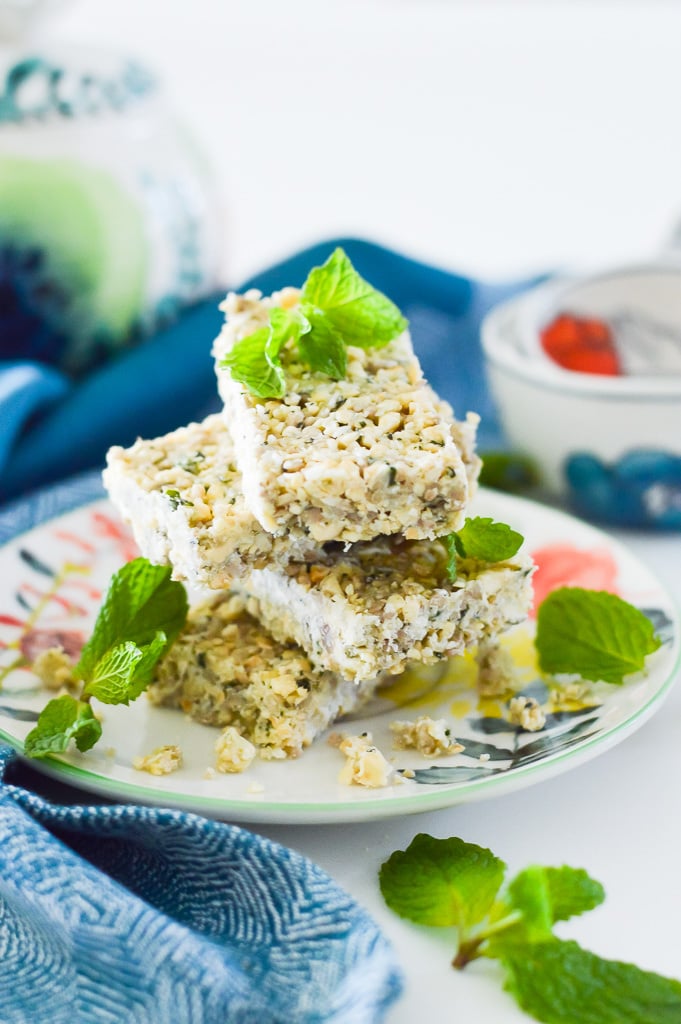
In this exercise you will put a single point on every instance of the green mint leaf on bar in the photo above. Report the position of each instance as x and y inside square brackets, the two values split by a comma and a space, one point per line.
[558, 982]
[362, 315]
[62, 720]
[249, 365]
[486, 541]
[448, 882]
[593, 634]
[337, 308]
[452, 553]
[142, 601]
[323, 347]
[125, 671]
[441, 882]
[482, 540]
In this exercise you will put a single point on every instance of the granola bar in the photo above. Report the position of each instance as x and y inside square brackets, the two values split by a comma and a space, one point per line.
[374, 607]
[225, 669]
[347, 460]
[182, 495]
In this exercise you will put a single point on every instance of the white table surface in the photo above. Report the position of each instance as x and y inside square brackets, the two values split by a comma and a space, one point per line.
[493, 137]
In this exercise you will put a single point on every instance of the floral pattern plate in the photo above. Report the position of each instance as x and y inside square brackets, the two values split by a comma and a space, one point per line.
[52, 580]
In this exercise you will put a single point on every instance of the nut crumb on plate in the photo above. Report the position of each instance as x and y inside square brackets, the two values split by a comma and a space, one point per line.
[365, 765]
[527, 713]
[161, 761]
[233, 752]
[430, 737]
[54, 669]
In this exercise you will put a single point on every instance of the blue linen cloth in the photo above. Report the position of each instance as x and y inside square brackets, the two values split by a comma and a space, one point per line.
[122, 913]
[140, 914]
[51, 427]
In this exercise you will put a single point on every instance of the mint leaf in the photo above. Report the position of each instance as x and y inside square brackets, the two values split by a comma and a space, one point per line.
[572, 891]
[529, 893]
[361, 314]
[141, 602]
[441, 882]
[560, 983]
[451, 545]
[323, 348]
[593, 634]
[483, 539]
[61, 720]
[249, 365]
[125, 671]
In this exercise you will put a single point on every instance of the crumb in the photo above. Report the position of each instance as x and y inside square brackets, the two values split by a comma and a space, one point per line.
[110, 753]
[526, 712]
[161, 761]
[430, 737]
[209, 773]
[54, 669]
[365, 765]
[234, 752]
[484, 757]
[570, 692]
[496, 669]
[255, 787]
[408, 773]
[335, 739]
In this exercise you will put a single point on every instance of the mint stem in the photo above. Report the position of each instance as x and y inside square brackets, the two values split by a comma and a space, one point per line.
[470, 949]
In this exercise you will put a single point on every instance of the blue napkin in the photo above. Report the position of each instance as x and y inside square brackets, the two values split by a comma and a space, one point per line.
[51, 427]
[114, 913]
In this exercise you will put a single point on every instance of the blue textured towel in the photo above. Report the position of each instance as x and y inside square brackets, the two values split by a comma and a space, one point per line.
[51, 428]
[112, 914]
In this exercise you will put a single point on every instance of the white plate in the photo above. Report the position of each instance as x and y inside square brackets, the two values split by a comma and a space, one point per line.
[52, 579]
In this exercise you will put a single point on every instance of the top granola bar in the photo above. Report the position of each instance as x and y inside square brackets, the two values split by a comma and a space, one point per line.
[349, 459]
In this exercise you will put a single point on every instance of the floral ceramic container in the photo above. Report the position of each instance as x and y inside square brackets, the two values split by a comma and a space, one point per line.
[587, 377]
[107, 216]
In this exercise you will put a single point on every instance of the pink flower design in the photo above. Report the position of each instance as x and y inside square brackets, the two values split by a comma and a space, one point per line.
[35, 641]
[564, 565]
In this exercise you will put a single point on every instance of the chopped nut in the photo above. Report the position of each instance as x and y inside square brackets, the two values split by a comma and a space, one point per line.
[526, 712]
[431, 738]
[365, 765]
[54, 669]
[161, 761]
[234, 753]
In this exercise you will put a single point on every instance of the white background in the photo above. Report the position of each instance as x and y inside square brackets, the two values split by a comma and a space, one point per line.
[493, 138]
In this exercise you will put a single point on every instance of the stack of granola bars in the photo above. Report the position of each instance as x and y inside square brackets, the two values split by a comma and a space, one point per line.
[316, 519]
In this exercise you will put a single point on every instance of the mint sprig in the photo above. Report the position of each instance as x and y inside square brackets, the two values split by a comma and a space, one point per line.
[448, 882]
[62, 720]
[141, 615]
[481, 539]
[592, 633]
[337, 308]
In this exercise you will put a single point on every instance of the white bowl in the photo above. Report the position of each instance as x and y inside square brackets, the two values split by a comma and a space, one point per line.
[611, 445]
